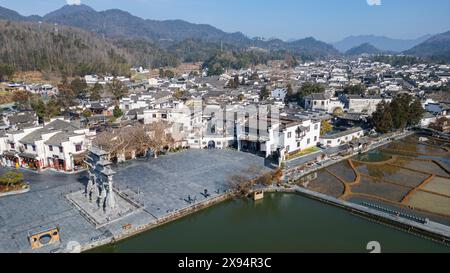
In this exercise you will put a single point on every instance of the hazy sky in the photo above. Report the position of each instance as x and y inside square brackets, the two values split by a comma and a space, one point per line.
[328, 20]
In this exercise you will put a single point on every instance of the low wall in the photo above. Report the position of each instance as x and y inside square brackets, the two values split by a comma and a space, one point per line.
[159, 222]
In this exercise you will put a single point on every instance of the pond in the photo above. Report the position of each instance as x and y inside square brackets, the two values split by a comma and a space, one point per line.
[279, 223]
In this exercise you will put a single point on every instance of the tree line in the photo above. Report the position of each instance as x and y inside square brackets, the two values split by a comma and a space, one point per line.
[68, 95]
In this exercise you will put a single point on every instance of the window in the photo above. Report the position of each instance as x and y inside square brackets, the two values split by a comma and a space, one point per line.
[13, 146]
[289, 135]
[154, 115]
[78, 147]
[288, 148]
[34, 148]
[50, 148]
[315, 139]
[298, 144]
[26, 146]
[323, 103]
[61, 149]
[316, 127]
[309, 141]
[329, 142]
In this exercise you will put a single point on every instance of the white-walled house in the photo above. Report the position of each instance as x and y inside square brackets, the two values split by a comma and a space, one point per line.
[427, 119]
[317, 102]
[151, 100]
[284, 136]
[279, 93]
[323, 102]
[340, 138]
[366, 105]
[299, 135]
[58, 145]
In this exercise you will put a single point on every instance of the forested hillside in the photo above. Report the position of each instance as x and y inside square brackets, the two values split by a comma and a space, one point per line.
[33, 46]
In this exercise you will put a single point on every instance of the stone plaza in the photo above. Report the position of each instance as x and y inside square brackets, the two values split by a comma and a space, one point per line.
[158, 186]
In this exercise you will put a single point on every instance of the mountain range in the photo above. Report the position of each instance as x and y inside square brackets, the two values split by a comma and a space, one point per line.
[171, 41]
[116, 23]
[365, 48]
[437, 48]
[380, 42]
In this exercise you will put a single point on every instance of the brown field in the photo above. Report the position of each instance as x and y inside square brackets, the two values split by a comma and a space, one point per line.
[344, 171]
[382, 190]
[37, 77]
[439, 185]
[392, 174]
[184, 68]
[411, 144]
[431, 202]
[406, 180]
[327, 184]
[424, 166]
[6, 97]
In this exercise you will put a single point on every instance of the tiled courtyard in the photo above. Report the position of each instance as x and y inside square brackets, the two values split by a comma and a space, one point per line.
[164, 185]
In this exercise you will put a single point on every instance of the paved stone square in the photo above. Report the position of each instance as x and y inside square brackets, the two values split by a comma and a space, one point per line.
[162, 186]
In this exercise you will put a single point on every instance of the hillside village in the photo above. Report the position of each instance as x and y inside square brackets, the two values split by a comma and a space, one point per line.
[113, 125]
[319, 105]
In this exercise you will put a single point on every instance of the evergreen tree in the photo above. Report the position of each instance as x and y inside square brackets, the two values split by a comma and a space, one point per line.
[307, 89]
[117, 112]
[358, 89]
[382, 118]
[265, 93]
[289, 93]
[416, 113]
[46, 111]
[399, 109]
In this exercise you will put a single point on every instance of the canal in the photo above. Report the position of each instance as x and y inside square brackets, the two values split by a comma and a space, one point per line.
[284, 223]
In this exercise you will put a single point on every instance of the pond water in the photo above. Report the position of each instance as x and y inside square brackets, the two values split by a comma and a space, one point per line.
[373, 156]
[279, 223]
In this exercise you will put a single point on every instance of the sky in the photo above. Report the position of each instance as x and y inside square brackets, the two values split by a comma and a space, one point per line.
[326, 20]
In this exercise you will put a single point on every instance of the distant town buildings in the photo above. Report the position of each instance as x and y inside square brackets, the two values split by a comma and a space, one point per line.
[218, 112]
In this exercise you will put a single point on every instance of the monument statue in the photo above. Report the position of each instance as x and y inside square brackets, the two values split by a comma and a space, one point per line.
[100, 185]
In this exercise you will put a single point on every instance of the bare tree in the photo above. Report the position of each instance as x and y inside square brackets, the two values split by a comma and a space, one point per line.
[137, 139]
